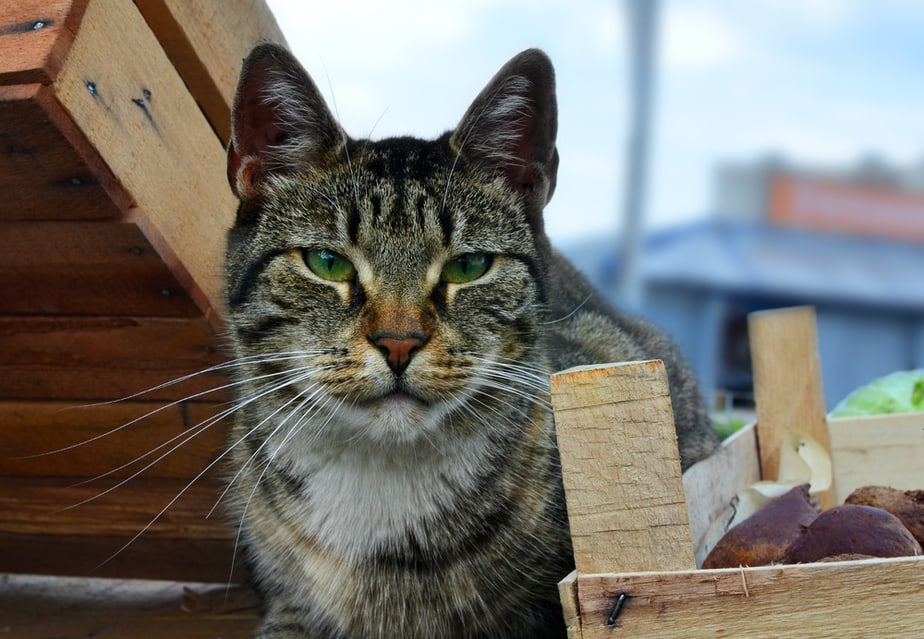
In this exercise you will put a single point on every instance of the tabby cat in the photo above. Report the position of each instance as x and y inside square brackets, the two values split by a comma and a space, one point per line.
[396, 307]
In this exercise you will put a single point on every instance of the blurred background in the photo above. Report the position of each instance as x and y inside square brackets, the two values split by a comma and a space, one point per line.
[717, 157]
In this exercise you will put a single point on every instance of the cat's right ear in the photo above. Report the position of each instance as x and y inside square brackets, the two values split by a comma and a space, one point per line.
[280, 123]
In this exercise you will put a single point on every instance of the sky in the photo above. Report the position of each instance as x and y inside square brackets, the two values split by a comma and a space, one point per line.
[819, 82]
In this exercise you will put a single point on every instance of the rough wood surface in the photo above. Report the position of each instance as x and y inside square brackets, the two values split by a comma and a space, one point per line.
[85, 268]
[105, 358]
[150, 132]
[571, 606]
[787, 384]
[41, 607]
[857, 599]
[878, 451]
[206, 42]
[621, 468]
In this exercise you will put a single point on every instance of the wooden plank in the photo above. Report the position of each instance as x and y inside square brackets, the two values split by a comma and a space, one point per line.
[40, 607]
[788, 388]
[873, 598]
[621, 468]
[570, 604]
[139, 116]
[85, 268]
[106, 439]
[35, 36]
[59, 506]
[144, 558]
[206, 41]
[878, 451]
[105, 358]
[711, 484]
[48, 171]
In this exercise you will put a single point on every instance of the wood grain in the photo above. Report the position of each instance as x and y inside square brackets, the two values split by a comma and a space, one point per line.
[104, 358]
[621, 468]
[107, 438]
[85, 268]
[857, 599]
[788, 388]
[35, 36]
[887, 450]
[206, 41]
[143, 122]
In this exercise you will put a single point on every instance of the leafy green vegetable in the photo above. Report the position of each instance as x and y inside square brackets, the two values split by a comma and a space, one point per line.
[901, 392]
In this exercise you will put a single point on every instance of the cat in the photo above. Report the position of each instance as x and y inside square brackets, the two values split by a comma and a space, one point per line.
[396, 309]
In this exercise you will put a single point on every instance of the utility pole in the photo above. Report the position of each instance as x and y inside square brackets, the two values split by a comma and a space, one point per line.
[642, 19]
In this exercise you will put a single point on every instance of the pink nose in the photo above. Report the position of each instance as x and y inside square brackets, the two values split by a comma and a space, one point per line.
[398, 351]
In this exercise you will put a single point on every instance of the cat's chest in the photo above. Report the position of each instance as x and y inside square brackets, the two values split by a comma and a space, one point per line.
[357, 502]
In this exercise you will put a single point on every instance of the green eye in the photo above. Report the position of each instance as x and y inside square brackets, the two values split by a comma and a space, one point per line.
[329, 265]
[466, 268]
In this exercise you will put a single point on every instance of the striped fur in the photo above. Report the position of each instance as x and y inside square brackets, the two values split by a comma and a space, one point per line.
[421, 501]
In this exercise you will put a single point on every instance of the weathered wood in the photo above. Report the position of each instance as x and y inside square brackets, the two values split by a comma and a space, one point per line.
[787, 384]
[150, 132]
[35, 36]
[41, 607]
[711, 484]
[48, 170]
[206, 41]
[94, 440]
[621, 468]
[570, 604]
[878, 451]
[872, 598]
[105, 358]
[84, 268]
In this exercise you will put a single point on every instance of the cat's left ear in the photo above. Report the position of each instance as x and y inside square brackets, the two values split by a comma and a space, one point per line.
[280, 123]
[511, 126]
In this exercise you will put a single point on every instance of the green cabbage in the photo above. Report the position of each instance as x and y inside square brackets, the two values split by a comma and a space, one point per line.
[901, 392]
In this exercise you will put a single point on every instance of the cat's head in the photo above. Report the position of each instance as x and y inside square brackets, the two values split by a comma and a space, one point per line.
[388, 284]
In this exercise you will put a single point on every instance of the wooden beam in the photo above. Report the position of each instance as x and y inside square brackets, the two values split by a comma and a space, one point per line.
[143, 122]
[872, 598]
[788, 389]
[35, 36]
[206, 41]
[621, 468]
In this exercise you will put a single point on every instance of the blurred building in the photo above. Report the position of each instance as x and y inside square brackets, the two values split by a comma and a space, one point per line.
[850, 243]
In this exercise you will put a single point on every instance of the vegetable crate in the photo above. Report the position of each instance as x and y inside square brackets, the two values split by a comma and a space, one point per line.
[638, 525]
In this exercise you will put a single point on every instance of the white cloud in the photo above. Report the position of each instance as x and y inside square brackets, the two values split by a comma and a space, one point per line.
[696, 36]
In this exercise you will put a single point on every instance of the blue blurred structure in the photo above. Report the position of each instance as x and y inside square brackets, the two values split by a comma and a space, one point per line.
[863, 272]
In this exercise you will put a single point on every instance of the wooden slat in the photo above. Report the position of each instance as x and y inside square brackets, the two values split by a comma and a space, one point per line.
[41, 607]
[206, 41]
[48, 171]
[75, 268]
[150, 132]
[35, 36]
[711, 484]
[878, 451]
[54, 505]
[873, 598]
[105, 358]
[788, 389]
[570, 604]
[184, 434]
[621, 468]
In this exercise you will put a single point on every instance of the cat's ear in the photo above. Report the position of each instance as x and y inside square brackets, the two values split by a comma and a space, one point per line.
[510, 128]
[279, 123]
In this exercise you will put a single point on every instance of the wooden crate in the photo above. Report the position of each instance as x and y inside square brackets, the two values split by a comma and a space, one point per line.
[114, 116]
[636, 522]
